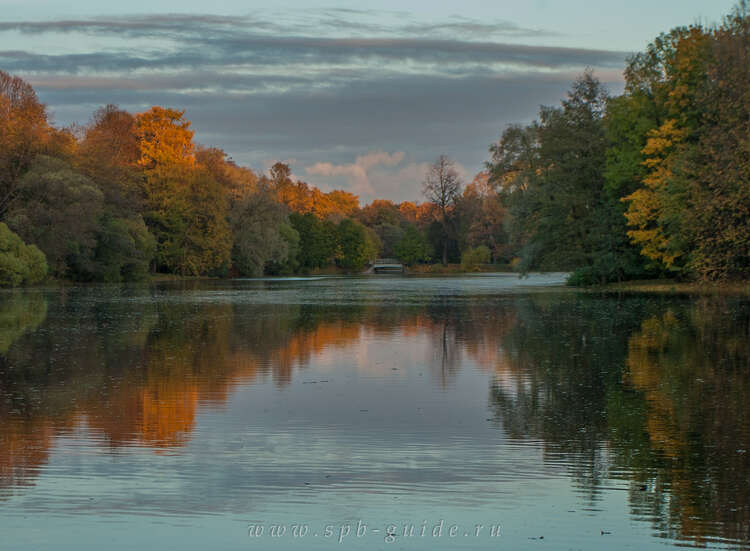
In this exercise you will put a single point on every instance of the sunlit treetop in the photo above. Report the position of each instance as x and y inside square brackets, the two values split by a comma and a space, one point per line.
[164, 138]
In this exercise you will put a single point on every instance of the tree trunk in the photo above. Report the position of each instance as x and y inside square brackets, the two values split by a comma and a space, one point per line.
[445, 251]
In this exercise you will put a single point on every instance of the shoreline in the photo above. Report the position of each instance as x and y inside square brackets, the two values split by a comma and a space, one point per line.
[672, 287]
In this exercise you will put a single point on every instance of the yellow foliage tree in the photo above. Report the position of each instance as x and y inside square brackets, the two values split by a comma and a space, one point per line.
[650, 204]
[164, 138]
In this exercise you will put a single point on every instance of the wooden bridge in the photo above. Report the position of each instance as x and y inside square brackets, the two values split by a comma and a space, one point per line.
[387, 266]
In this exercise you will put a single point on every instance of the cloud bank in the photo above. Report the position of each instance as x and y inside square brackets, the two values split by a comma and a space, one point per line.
[335, 89]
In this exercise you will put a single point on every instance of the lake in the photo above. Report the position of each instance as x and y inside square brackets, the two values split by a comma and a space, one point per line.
[476, 412]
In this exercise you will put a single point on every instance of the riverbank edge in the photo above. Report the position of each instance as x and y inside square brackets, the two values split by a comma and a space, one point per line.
[674, 287]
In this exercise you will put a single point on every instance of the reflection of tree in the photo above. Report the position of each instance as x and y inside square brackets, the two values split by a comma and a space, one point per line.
[24, 448]
[654, 391]
[19, 313]
[138, 371]
[693, 367]
[563, 356]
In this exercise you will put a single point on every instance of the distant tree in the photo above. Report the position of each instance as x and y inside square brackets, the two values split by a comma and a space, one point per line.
[301, 198]
[356, 245]
[442, 186]
[317, 240]
[413, 248]
[237, 181]
[340, 204]
[380, 211]
[481, 216]
[389, 235]
[290, 264]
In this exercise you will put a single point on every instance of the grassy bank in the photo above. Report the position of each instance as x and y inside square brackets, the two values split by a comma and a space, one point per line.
[667, 286]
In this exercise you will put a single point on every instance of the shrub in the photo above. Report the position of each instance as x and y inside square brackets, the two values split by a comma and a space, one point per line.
[472, 259]
[20, 264]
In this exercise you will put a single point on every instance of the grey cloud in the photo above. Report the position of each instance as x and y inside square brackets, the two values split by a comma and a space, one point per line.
[311, 21]
[267, 51]
[210, 39]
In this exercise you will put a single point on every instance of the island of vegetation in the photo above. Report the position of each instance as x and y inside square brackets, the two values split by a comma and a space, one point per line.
[653, 183]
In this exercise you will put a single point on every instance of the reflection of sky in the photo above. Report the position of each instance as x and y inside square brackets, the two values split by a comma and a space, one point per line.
[321, 85]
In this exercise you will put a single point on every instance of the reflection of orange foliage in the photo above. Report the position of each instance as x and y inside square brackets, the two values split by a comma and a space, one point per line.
[24, 447]
[168, 413]
[156, 405]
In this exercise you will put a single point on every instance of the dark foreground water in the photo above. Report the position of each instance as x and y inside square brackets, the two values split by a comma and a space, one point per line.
[386, 413]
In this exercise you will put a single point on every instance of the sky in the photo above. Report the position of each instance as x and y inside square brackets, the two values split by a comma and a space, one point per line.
[355, 98]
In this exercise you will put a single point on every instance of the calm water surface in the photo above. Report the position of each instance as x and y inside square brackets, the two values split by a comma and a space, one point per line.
[291, 414]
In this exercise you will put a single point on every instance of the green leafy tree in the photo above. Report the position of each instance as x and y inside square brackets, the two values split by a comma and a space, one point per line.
[188, 217]
[318, 240]
[413, 247]
[259, 229]
[551, 175]
[124, 250]
[58, 210]
[356, 246]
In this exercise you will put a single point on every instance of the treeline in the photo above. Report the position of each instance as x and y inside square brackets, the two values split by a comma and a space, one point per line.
[653, 182]
[132, 194]
[128, 195]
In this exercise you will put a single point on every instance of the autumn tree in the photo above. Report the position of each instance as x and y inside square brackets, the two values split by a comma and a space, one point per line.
[481, 215]
[442, 186]
[164, 139]
[671, 71]
[720, 189]
[109, 154]
[185, 206]
[238, 181]
[24, 133]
